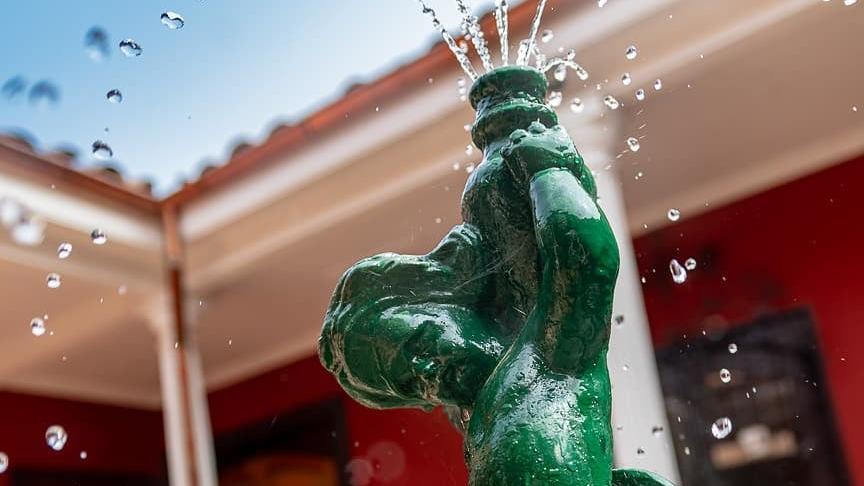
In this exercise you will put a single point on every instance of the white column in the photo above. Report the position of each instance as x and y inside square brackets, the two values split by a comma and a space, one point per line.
[188, 437]
[639, 423]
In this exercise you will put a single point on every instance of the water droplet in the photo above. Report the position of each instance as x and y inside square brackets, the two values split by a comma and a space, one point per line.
[438, 220]
[631, 53]
[601, 3]
[130, 48]
[555, 98]
[571, 54]
[469, 168]
[44, 94]
[547, 36]
[4, 462]
[658, 85]
[469, 149]
[721, 428]
[101, 150]
[64, 250]
[560, 73]
[640, 451]
[619, 320]
[679, 274]
[56, 437]
[733, 348]
[83, 455]
[611, 102]
[640, 94]
[114, 96]
[576, 106]
[673, 214]
[657, 430]
[13, 87]
[460, 82]
[690, 264]
[28, 231]
[456, 165]
[98, 237]
[37, 326]
[626, 79]
[53, 280]
[633, 144]
[581, 73]
[172, 20]
[686, 451]
[626, 367]
[849, 2]
[96, 44]
[725, 375]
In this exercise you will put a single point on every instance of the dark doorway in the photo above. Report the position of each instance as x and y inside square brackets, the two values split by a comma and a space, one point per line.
[775, 395]
[305, 446]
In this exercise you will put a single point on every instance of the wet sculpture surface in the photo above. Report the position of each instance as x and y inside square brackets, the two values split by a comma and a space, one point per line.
[506, 322]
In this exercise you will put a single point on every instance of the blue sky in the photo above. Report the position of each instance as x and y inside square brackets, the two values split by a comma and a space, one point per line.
[232, 72]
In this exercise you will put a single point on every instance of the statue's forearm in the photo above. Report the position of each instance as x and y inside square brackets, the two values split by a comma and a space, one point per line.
[579, 260]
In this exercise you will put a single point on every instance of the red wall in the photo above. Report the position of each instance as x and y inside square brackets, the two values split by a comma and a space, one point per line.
[795, 245]
[117, 440]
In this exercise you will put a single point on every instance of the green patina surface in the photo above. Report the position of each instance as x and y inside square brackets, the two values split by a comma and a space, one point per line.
[506, 322]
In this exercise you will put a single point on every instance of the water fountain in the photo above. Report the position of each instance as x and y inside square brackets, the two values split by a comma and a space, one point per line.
[506, 322]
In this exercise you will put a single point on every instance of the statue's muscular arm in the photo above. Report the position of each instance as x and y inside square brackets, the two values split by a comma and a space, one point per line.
[578, 252]
[403, 330]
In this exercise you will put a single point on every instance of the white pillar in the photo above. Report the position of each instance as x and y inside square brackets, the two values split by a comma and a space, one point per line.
[188, 437]
[639, 422]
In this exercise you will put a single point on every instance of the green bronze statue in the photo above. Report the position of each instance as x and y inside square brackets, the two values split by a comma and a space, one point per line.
[506, 323]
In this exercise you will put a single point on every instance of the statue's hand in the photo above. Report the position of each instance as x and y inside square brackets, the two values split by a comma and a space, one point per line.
[539, 148]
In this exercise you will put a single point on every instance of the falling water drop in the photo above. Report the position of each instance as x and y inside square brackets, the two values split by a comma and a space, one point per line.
[56, 437]
[576, 106]
[633, 144]
[560, 73]
[657, 430]
[4, 462]
[555, 98]
[547, 36]
[172, 20]
[581, 72]
[83, 455]
[733, 348]
[469, 149]
[640, 451]
[658, 84]
[631, 52]
[849, 2]
[64, 250]
[13, 87]
[619, 320]
[101, 150]
[626, 79]
[114, 96]
[53, 280]
[44, 94]
[96, 44]
[721, 428]
[679, 273]
[725, 375]
[37, 326]
[130, 48]
[640, 94]
[690, 263]
[673, 214]
[611, 102]
[98, 237]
